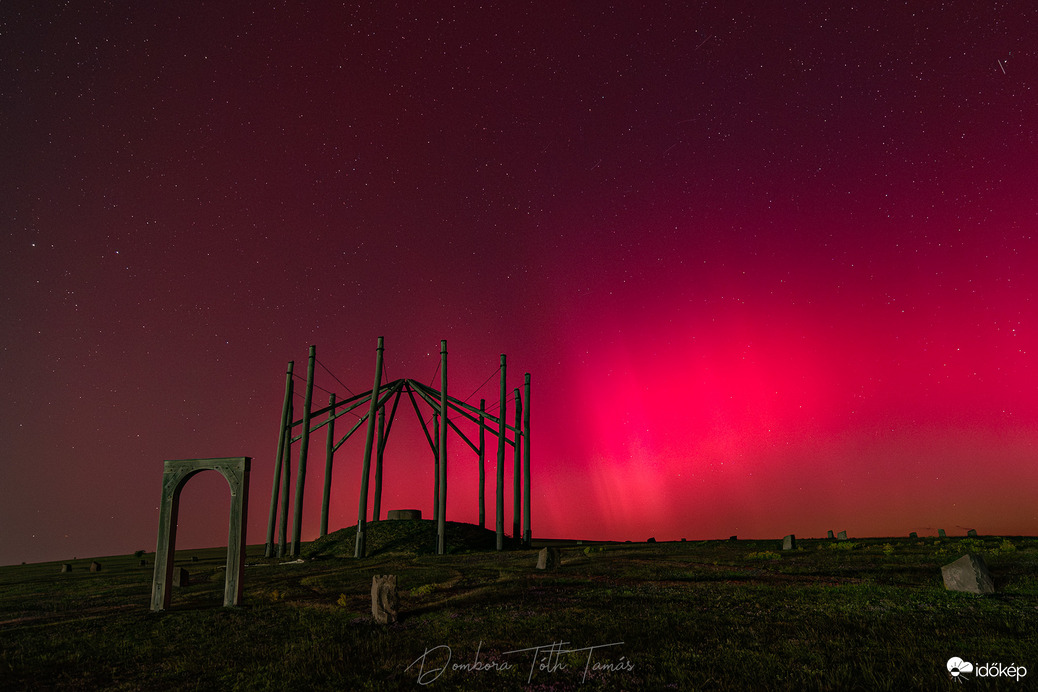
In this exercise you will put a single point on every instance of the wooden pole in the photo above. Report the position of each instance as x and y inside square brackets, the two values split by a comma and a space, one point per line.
[304, 448]
[436, 466]
[527, 535]
[482, 468]
[376, 510]
[286, 479]
[501, 461]
[517, 461]
[369, 440]
[268, 551]
[441, 520]
[329, 453]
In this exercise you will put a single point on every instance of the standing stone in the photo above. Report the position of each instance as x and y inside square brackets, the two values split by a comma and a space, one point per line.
[972, 533]
[730, 538]
[181, 577]
[66, 568]
[941, 533]
[384, 601]
[548, 558]
[842, 536]
[968, 573]
[830, 536]
[95, 566]
[651, 540]
[789, 542]
[913, 535]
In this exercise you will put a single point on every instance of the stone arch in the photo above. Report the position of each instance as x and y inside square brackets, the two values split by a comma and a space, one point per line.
[175, 474]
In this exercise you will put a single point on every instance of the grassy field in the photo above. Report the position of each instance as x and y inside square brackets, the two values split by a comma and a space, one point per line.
[860, 614]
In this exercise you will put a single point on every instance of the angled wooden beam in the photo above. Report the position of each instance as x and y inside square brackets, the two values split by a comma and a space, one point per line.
[421, 420]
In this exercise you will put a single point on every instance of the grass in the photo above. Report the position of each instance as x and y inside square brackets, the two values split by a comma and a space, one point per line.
[691, 615]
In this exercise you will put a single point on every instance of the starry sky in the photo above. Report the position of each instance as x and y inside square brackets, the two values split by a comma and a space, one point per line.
[771, 269]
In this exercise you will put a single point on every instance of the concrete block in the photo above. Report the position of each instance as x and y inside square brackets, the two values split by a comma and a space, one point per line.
[181, 577]
[403, 514]
[968, 573]
[548, 558]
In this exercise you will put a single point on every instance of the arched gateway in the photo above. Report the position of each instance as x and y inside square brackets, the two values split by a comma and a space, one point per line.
[174, 476]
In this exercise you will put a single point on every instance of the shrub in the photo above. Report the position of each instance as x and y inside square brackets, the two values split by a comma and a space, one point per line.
[764, 555]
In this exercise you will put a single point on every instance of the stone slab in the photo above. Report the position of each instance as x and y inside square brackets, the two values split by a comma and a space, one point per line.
[789, 542]
[842, 536]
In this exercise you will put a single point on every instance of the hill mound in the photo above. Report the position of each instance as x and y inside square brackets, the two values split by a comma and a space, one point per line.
[411, 536]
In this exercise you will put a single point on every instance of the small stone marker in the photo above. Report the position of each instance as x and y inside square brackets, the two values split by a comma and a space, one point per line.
[181, 577]
[95, 566]
[651, 540]
[733, 538]
[842, 536]
[968, 573]
[384, 601]
[913, 535]
[941, 533]
[66, 568]
[548, 558]
[789, 542]
[830, 536]
[972, 533]
[403, 514]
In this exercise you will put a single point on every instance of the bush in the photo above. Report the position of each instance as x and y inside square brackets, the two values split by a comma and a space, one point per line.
[764, 555]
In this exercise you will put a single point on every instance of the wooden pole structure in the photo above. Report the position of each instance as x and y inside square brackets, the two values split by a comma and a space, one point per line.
[329, 453]
[517, 462]
[527, 535]
[482, 468]
[369, 440]
[304, 448]
[501, 461]
[376, 510]
[268, 551]
[436, 465]
[286, 479]
[441, 519]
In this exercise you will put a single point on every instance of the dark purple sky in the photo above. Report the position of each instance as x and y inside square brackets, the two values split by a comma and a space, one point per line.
[771, 270]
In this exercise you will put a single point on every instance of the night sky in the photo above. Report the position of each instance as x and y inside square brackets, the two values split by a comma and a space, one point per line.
[772, 271]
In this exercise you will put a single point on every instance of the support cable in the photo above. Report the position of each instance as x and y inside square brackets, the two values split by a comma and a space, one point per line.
[335, 378]
[492, 376]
